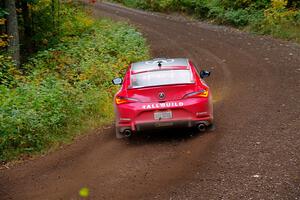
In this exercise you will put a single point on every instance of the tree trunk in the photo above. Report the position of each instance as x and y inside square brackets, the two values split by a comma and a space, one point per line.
[53, 12]
[12, 30]
[289, 3]
[28, 46]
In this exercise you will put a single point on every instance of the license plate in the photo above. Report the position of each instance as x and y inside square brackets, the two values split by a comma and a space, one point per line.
[163, 115]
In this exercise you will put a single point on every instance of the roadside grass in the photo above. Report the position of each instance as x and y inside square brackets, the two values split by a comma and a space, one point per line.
[261, 17]
[65, 90]
[278, 22]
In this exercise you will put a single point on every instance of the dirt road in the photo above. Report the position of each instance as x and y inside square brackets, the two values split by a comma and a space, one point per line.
[254, 153]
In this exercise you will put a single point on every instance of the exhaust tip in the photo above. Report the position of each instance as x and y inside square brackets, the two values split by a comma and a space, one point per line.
[127, 133]
[201, 127]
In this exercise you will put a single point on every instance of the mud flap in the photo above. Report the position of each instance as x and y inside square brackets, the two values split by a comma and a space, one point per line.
[211, 127]
[118, 134]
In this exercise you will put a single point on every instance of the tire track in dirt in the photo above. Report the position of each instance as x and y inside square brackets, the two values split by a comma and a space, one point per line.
[253, 153]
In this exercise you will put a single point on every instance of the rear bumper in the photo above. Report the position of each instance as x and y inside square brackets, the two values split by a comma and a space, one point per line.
[164, 124]
[186, 113]
[169, 124]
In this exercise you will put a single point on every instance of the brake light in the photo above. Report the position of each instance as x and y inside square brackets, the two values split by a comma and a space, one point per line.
[121, 100]
[201, 93]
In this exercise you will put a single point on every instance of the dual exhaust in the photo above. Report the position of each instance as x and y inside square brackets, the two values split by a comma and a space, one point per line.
[201, 127]
[127, 133]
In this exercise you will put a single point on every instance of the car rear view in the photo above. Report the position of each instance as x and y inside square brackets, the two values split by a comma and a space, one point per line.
[162, 93]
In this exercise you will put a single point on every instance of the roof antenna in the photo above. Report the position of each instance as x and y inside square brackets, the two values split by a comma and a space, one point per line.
[159, 63]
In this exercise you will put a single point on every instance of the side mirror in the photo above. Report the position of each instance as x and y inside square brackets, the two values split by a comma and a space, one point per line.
[204, 74]
[117, 81]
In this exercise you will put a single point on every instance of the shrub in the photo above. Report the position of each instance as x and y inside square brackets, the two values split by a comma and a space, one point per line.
[238, 17]
[31, 114]
[7, 70]
[236, 4]
[53, 21]
[65, 88]
[279, 22]
[260, 16]
[216, 11]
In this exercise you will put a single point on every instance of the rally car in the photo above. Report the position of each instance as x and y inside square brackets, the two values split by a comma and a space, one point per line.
[162, 93]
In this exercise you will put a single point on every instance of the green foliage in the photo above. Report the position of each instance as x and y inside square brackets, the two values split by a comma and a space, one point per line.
[279, 21]
[260, 16]
[7, 66]
[3, 12]
[238, 17]
[30, 112]
[238, 4]
[52, 25]
[200, 8]
[67, 87]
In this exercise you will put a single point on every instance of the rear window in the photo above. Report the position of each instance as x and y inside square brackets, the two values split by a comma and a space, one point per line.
[163, 77]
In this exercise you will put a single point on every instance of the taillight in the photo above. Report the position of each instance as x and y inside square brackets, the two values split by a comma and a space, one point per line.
[121, 100]
[201, 93]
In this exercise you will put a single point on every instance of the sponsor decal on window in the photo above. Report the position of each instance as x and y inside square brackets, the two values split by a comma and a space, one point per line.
[163, 105]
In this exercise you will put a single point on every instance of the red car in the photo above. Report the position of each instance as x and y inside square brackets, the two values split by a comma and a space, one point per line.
[162, 93]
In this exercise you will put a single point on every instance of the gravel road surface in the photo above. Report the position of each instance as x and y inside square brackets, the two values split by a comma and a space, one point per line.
[254, 152]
